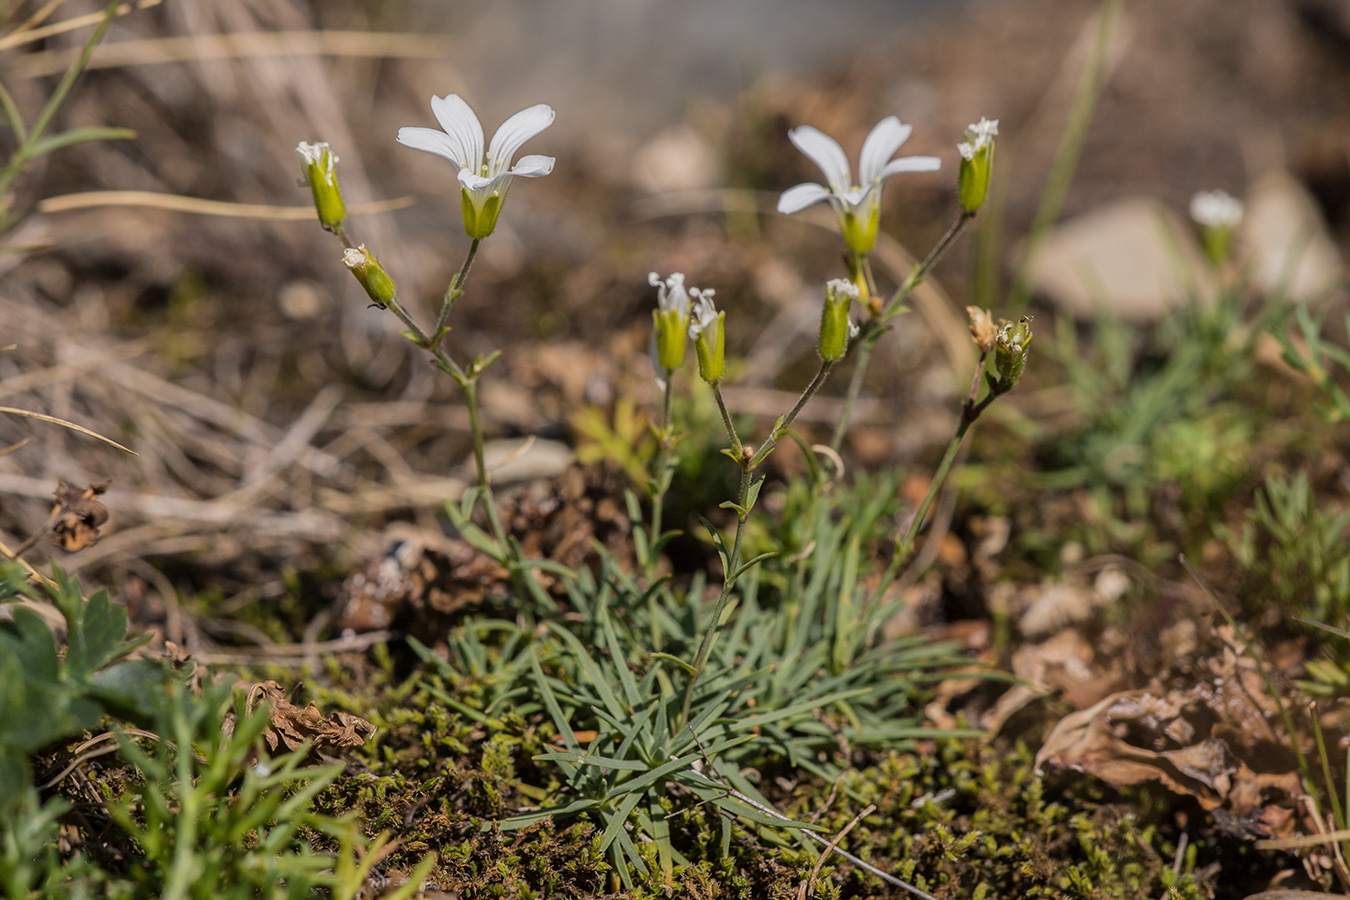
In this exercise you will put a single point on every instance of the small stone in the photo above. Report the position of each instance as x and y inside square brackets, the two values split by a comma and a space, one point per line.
[1132, 260]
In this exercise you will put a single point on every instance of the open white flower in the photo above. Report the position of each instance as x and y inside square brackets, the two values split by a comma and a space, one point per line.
[484, 178]
[858, 206]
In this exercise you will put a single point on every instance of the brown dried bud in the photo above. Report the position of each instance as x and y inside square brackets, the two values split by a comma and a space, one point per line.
[983, 331]
[77, 516]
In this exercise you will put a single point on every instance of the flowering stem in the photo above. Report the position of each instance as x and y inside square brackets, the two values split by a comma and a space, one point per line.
[873, 328]
[661, 482]
[728, 582]
[736, 446]
[970, 411]
[456, 288]
[744, 505]
[781, 426]
[920, 272]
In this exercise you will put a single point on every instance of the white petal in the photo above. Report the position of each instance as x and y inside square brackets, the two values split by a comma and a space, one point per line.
[825, 152]
[459, 122]
[483, 187]
[880, 146]
[533, 166]
[911, 164]
[515, 131]
[796, 199]
[431, 140]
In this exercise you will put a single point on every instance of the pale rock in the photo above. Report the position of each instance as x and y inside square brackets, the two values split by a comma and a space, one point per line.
[1284, 243]
[1131, 260]
[677, 159]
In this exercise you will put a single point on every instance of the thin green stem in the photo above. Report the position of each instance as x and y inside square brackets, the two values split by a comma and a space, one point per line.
[872, 329]
[920, 272]
[782, 425]
[661, 481]
[865, 343]
[736, 447]
[743, 502]
[456, 288]
[728, 582]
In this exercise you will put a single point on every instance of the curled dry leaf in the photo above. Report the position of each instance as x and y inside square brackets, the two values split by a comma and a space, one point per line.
[1212, 741]
[290, 726]
[77, 516]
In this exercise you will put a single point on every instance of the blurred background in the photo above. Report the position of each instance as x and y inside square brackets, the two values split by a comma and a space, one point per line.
[282, 425]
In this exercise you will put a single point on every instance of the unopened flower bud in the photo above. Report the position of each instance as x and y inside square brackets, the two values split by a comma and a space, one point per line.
[320, 169]
[1218, 215]
[983, 331]
[835, 325]
[371, 274]
[707, 328]
[1013, 346]
[977, 160]
[670, 319]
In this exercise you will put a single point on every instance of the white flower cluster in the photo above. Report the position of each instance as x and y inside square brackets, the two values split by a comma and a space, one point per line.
[978, 137]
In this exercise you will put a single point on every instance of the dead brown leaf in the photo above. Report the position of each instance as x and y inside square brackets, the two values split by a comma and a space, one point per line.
[1197, 742]
[291, 726]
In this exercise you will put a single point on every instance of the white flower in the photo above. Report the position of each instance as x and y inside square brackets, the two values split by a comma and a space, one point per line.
[671, 295]
[856, 205]
[704, 312]
[1216, 209]
[482, 176]
[978, 136]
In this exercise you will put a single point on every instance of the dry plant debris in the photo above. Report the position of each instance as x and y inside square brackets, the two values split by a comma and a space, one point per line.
[291, 727]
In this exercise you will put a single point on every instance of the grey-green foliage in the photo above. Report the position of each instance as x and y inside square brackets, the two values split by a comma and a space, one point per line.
[1296, 552]
[1158, 407]
[801, 669]
[1310, 354]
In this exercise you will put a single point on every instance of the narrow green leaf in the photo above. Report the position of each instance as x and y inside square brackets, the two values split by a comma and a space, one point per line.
[80, 136]
[673, 659]
[619, 819]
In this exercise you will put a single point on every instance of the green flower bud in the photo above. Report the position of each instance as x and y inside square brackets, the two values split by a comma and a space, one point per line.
[707, 328]
[319, 165]
[1011, 350]
[670, 320]
[371, 274]
[977, 160]
[835, 325]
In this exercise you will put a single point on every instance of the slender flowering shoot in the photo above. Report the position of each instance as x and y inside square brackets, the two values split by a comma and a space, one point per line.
[319, 165]
[977, 160]
[483, 177]
[858, 206]
[707, 329]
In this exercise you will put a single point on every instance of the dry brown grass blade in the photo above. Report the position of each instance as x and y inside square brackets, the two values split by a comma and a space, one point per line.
[198, 206]
[239, 46]
[71, 425]
[27, 34]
